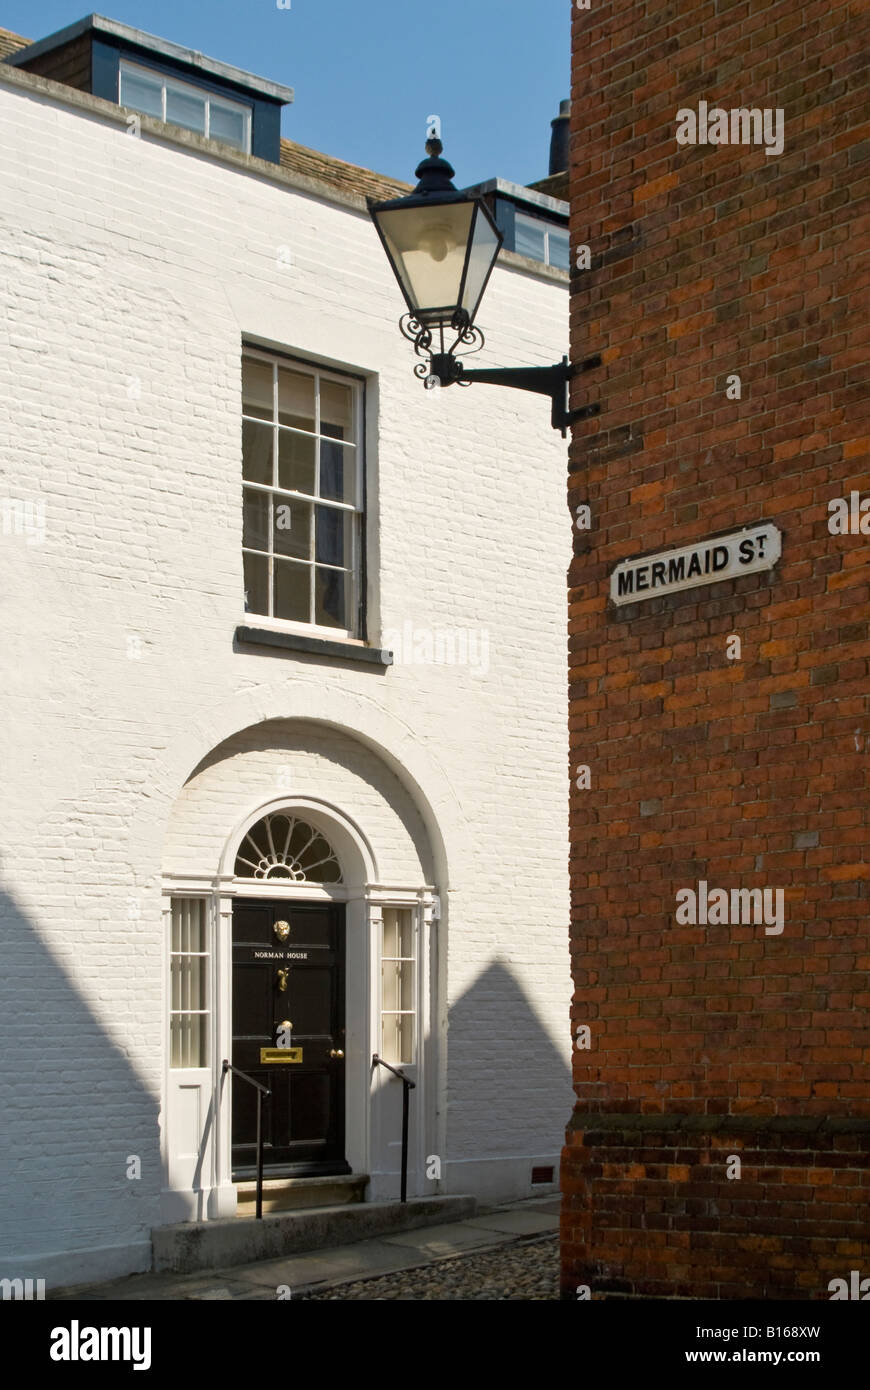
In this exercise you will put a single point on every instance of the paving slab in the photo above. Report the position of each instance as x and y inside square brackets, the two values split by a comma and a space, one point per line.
[360, 1260]
[453, 1238]
[515, 1223]
[296, 1271]
[134, 1286]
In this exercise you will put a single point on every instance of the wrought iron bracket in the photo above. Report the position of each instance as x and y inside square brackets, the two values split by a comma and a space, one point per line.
[545, 381]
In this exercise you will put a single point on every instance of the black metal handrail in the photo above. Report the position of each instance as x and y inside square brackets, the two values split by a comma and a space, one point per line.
[261, 1091]
[407, 1085]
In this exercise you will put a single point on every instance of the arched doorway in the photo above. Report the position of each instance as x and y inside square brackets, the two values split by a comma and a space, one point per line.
[351, 971]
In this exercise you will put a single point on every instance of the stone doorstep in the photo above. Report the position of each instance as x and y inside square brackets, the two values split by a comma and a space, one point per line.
[290, 1194]
[196, 1245]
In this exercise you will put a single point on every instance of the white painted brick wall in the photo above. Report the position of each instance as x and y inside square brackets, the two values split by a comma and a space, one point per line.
[130, 271]
[243, 774]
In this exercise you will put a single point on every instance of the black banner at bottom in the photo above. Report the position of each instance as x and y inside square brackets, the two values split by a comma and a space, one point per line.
[64, 1338]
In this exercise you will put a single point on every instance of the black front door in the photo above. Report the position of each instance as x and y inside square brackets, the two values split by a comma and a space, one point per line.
[288, 1032]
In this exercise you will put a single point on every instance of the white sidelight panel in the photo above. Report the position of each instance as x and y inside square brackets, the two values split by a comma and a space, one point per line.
[189, 1121]
[189, 974]
[398, 987]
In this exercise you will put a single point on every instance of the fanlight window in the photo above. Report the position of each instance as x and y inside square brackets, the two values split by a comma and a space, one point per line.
[281, 847]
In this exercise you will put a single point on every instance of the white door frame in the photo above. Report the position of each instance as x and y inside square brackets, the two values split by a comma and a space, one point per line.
[204, 1097]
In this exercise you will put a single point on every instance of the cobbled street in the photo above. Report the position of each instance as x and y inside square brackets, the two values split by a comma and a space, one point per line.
[527, 1271]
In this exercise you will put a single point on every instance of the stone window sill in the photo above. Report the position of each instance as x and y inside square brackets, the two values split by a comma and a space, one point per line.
[313, 646]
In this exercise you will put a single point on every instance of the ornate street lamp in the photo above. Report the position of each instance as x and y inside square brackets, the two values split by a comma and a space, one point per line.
[442, 245]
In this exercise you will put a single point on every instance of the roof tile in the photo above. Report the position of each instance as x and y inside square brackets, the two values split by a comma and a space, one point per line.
[11, 43]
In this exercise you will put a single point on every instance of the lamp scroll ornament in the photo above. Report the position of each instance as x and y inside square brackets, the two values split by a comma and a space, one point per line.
[441, 367]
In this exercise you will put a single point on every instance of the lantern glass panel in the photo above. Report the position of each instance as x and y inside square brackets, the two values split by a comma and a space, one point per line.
[485, 242]
[427, 246]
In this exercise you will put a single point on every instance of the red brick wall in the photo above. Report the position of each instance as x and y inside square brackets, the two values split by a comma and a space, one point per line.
[709, 260]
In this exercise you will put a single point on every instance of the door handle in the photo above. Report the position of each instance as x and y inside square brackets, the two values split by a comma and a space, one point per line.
[336, 1052]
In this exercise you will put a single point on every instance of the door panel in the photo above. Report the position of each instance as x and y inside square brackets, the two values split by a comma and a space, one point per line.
[294, 979]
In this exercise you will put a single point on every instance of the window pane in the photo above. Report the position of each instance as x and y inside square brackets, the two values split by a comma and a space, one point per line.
[292, 529]
[405, 1039]
[257, 441]
[188, 925]
[398, 933]
[226, 123]
[257, 389]
[397, 1038]
[388, 1038]
[336, 410]
[331, 598]
[333, 539]
[559, 253]
[296, 400]
[296, 461]
[390, 932]
[255, 528]
[336, 472]
[185, 109]
[406, 935]
[256, 584]
[406, 988]
[193, 981]
[142, 93]
[292, 584]
[175, 1042]
[529, 239]
[310, 458]
[196, 910]
[188, 977]
[389, 985]
[187, 1040]
[398, 985]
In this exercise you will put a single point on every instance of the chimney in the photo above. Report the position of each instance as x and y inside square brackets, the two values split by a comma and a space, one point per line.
[559, 139]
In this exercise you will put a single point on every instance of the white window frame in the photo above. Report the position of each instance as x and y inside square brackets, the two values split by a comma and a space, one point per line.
[204, 1014]
[544, 226]
[252, 618]
[563, 231]
[176, 84]
[413, 961]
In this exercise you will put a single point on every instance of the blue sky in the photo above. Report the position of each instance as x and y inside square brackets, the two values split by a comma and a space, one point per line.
[367, 73]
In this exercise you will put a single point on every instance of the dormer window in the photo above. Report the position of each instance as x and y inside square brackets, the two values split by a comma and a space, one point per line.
[161, 79]
[533, 224]
[541, 241]
[194, 108]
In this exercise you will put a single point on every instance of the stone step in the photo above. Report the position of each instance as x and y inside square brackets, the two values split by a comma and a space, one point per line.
[289, 1194]
[195, 1245]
